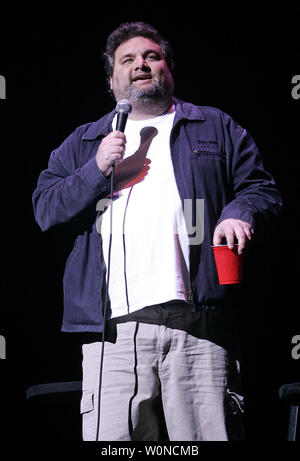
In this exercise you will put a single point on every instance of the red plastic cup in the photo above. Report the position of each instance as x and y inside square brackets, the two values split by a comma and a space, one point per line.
[229, 264]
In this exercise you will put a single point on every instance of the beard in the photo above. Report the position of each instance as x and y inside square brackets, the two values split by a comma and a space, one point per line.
[156, 92]
[159, 92]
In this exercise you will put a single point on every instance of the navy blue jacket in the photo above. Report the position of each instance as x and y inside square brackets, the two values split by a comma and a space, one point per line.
[214, 159]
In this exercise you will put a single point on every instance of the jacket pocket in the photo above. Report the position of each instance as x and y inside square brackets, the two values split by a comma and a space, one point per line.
[210, 155]
[72, 256]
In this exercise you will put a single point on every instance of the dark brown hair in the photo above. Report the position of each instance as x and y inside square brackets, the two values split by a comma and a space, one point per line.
[129, 30]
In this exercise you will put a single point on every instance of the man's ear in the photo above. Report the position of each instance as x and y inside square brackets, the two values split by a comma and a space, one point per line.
[110, 82]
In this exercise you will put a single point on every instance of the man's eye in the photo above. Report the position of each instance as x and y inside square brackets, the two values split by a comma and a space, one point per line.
[153, 57]
[127, 60]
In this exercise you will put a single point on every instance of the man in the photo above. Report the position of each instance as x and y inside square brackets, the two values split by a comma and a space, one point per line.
[185, 177]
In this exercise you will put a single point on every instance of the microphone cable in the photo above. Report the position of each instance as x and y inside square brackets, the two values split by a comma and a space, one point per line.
[124, 251]
[105, 300]
[123, 109]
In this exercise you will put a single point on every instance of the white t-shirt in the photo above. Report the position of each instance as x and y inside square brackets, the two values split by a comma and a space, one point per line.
[150, 260]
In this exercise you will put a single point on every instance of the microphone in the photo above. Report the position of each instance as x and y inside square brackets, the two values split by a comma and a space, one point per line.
[123, 109]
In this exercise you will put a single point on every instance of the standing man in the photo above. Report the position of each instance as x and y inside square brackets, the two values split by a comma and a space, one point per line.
[186, 177]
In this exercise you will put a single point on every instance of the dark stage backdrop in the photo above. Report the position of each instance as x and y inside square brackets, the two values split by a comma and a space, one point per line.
[242, 61]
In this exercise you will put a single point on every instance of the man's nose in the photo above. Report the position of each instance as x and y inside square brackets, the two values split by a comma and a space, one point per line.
[141, 63]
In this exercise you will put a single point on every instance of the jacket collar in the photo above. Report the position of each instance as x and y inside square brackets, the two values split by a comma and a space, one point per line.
[188, 111]
[184, 110]
[100, 127]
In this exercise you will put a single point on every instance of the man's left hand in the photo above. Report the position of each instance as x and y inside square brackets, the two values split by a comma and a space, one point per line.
[231, 228]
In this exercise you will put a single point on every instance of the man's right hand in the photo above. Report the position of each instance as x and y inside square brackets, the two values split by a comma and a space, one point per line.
[110, 150]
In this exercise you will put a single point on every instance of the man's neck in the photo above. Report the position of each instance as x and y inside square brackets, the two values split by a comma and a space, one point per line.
[143, 111]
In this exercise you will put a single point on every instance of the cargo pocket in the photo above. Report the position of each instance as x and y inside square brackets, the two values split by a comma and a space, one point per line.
[87, 407]
[87, 402]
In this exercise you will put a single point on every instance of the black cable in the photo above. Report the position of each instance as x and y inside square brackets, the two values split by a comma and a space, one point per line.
[130, 425]
[105, 302]
[124, 251]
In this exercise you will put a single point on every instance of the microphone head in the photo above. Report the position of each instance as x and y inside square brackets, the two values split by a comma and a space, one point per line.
[124, 106]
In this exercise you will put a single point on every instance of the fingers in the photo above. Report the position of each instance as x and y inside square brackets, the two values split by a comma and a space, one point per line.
[114, 143]
[241, 238]
[232, 229]
[110, 150]
[218, 235]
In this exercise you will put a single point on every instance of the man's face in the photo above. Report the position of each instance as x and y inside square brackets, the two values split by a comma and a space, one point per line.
[140, 71]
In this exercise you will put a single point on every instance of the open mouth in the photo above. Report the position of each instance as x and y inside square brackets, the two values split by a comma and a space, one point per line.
[142, 77]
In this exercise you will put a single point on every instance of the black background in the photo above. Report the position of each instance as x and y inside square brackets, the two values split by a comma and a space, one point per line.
[241, 60]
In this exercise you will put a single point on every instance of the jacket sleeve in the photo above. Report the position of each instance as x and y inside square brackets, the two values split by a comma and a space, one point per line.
[65, 189]
[256, 199]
